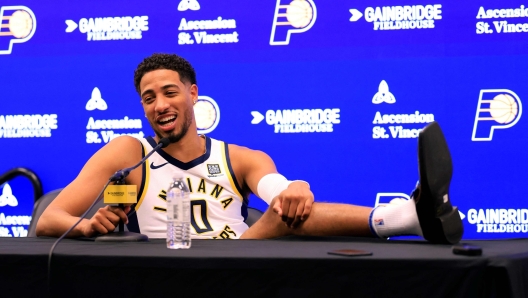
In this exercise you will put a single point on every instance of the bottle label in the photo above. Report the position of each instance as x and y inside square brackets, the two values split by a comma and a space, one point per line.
[175, 212]
[178, 206]
[186, 214]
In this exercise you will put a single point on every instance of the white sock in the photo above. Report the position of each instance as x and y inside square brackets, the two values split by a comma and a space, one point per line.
[395, 219]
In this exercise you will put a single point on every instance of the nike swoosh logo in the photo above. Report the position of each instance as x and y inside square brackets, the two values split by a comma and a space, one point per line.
[152, 166]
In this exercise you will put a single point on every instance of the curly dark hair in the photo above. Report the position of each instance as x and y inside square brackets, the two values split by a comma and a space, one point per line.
[165, 61]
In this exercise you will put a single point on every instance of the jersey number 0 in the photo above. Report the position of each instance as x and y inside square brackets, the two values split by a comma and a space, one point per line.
[199, 208]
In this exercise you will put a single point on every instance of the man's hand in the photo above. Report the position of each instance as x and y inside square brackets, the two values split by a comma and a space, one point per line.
[294, 203]
[105, 220]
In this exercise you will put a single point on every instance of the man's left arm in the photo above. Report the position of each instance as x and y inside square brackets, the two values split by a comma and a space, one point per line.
[292, 200]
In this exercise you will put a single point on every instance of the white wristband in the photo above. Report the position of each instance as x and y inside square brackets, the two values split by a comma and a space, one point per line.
[272, 185]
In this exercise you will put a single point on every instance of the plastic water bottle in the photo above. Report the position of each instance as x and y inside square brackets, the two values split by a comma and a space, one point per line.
[178, 214]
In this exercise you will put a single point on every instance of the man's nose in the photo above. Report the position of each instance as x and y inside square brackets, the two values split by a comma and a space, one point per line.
[162, 104]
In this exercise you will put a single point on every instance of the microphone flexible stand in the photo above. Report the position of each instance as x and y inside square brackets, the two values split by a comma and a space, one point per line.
[119, 178]
[121, 235]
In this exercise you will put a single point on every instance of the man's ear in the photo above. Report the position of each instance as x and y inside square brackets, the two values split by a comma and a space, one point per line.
[194, 92]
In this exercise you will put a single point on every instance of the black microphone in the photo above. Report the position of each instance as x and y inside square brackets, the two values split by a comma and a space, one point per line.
[120, 175]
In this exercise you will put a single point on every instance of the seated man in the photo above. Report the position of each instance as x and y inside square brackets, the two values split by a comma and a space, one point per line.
[167, 87]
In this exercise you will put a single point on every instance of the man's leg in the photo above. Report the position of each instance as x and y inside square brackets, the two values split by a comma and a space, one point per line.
[439, 220]
[325, 219]
[429, 213]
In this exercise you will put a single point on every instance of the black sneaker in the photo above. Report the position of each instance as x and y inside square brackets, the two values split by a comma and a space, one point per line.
[440, 222]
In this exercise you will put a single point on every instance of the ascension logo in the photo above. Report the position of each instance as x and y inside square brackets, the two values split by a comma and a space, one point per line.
[383, 94]
[299, 120]
[188, 4]
[297, 16]
[400, 17]
[17, 25]
[15, 221]
[105, 128]
[110, 28]
[496, 109]
[194, 31]
[7, 198]
[398, 131]
[96, 101]
[502, 26]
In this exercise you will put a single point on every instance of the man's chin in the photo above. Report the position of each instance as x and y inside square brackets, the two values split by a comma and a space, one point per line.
[162, 135]
[173, 137]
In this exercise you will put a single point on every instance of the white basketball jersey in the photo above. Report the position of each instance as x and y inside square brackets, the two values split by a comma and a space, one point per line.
[218, 209]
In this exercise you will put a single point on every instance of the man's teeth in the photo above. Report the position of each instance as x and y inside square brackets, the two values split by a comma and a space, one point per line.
[167, 119]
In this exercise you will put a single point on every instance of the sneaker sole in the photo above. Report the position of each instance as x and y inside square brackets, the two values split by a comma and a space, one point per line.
[439, 220]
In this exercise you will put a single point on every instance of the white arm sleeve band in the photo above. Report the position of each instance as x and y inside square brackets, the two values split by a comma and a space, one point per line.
[272, 185]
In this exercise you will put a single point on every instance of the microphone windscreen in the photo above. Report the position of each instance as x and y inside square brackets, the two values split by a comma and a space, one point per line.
[164, 142]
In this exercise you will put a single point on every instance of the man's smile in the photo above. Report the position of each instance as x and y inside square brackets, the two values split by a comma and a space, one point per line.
[167, 122]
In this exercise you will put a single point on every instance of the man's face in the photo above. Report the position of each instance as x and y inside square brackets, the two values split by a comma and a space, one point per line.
[168, 103]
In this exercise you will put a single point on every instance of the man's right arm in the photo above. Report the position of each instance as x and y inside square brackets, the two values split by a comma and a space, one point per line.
[75, 198]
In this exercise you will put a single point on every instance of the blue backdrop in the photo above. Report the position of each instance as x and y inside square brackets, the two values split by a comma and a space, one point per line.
[335, 92]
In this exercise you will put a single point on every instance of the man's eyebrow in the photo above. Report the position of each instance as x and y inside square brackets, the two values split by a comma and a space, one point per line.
[170, 86]
[146, 91]
[163, 88]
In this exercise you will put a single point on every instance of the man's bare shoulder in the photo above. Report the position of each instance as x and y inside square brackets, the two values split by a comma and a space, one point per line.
[122, 150]
[247, 160]
[250, 165]
[124, 141]
[237, 152]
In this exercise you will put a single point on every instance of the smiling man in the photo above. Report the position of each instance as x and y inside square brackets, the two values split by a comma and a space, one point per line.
[221, 177]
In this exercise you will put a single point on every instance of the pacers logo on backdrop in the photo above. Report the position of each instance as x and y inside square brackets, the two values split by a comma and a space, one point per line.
[207, 114]
[17, 25]
[295, 16]
[496, 109]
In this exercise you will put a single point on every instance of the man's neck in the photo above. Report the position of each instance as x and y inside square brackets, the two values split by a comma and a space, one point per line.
[188, 148]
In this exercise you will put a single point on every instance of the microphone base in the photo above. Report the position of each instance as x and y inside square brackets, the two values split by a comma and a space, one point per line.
[122, 237]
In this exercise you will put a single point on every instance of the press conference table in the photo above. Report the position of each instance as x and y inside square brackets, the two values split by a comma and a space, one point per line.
[291, 266]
